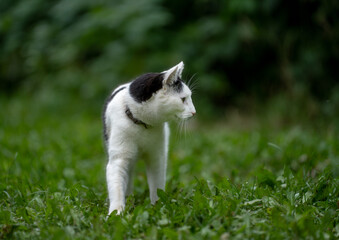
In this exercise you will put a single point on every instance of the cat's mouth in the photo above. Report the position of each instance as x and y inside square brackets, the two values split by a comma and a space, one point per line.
[184, 116]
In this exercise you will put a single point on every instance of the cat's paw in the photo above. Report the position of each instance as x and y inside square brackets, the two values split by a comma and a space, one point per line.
[119, 207]
[154, 199]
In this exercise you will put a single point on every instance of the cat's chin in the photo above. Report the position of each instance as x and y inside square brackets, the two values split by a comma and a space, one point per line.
[178, 118]
[182, 118]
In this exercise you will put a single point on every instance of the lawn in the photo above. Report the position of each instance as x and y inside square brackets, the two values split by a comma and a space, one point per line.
[227, 179]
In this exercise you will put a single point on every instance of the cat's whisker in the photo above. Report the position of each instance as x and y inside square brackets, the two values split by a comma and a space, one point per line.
[188, 130]
[194, 85]
[181, 126]
[190, 80]
[178, 130]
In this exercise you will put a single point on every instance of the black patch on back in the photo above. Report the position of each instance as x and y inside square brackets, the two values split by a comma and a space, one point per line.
[108, 100]
[142, 88]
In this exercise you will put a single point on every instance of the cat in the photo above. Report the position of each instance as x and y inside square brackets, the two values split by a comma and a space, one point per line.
[135, 120]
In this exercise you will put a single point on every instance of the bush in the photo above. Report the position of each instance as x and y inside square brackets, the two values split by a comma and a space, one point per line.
[237, 48]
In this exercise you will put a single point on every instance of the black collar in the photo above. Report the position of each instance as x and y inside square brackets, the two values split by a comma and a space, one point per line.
[135, 120]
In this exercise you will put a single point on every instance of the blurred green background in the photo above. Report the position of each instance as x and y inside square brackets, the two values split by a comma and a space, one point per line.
[267, 123]
[243, 55]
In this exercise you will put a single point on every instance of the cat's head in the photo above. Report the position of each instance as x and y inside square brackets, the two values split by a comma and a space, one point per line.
[165, 94]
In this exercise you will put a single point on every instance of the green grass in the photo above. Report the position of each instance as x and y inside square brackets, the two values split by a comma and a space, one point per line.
[224, 181]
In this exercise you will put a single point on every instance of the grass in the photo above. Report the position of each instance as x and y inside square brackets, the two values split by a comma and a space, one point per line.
[224, 181]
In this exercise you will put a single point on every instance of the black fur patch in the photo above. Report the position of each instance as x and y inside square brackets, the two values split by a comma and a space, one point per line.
[142, 88]
[177, 85]
[108, 100]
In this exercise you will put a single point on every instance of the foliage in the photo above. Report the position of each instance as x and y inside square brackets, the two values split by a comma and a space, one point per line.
[269, 177]
[225, 181]
[237, 48]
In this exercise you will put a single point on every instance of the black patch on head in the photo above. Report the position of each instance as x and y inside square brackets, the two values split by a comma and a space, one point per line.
[142, 88]
[108, 100]
[177, 85]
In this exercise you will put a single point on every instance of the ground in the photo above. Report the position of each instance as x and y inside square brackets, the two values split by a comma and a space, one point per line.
[227, 179]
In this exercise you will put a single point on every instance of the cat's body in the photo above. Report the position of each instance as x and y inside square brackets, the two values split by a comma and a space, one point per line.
[135, 121]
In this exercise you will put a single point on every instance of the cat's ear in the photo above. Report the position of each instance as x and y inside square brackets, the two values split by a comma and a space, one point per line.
[172, 75]
[180, 68]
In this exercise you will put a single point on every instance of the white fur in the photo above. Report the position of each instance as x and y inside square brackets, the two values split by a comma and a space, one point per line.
[127, 139]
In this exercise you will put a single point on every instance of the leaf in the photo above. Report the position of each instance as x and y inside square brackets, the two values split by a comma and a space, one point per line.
[163, 196]
[266, 178]
[252, 202]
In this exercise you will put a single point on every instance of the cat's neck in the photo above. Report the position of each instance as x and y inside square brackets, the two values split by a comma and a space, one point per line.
[144, 113]
[136, 120]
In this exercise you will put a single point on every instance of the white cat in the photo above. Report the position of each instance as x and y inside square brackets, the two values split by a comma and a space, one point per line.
[135, 120]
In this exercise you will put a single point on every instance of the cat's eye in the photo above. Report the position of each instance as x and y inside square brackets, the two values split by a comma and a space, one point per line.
[183, 99]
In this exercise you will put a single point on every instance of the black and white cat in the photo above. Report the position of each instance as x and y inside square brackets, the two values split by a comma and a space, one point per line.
[135, 120]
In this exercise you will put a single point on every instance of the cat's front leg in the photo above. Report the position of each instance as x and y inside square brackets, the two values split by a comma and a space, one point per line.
[157, 164]
[117, 174]
[156, 176]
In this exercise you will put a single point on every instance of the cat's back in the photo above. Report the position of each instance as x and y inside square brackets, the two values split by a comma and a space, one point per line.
[114, 111]
[115, 102]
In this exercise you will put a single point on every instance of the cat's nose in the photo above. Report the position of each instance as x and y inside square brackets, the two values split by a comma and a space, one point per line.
[193, 113]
